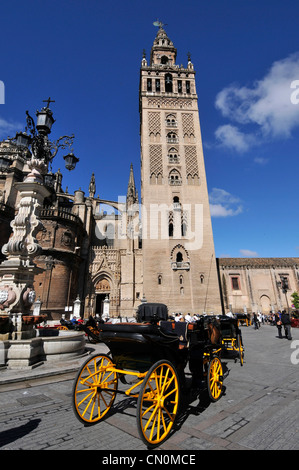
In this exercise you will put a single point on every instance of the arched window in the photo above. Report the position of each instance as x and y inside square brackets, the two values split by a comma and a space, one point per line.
[159, 279]
[179, 257]
[168, 83]
[175, 178]
[170, 230]
[164, 59]
[171, 121]
[173, 155]
[172, 138]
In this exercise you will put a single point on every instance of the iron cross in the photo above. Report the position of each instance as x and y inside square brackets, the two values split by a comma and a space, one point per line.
[48, 101]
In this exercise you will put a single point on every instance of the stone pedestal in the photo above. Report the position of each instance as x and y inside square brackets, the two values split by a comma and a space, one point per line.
[30, 353]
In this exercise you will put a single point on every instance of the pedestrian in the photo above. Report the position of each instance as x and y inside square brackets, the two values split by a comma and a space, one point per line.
[278, 323]
[286, 322]
[188, 318]
[255, 321]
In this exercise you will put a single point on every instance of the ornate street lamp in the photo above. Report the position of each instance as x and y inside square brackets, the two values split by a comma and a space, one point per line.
[40, 150]
[70, 161]
[49, 179]
[44, 120]
[5, 163]
[23, 139]
[22, 247]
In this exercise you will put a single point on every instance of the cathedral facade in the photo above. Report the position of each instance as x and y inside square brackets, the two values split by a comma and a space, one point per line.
[157, 247]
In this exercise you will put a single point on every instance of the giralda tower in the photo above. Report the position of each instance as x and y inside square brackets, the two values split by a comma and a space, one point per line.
[179, 265]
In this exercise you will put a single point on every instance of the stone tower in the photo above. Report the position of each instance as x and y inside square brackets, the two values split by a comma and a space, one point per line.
[179, 265]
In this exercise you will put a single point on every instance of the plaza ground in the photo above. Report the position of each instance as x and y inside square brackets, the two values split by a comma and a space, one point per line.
[258, 410]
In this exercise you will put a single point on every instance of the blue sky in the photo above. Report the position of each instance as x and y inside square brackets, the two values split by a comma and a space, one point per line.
[86, 55]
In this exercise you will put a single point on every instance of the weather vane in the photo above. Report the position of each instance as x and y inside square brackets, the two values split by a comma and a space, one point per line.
[159, 23]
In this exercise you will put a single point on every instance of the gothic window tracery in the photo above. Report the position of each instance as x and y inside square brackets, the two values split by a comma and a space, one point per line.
[173, 156]
[172, 138]
[175, 178]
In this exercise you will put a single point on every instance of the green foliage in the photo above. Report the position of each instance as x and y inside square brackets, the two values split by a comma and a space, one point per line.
[295, 299]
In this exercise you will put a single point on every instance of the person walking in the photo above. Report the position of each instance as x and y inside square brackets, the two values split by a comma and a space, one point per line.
[255, 321]
[278, 323]
[286, 322]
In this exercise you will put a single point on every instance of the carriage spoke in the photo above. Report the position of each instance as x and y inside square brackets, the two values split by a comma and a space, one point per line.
[158, 403]
[92, 384]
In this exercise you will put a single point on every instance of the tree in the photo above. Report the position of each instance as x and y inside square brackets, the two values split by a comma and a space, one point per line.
[295, 299]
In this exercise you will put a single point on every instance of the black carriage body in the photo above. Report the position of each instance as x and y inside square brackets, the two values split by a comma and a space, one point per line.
[229, 326]
[137, 346]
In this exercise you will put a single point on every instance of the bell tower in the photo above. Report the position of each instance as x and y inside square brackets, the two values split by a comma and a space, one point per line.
[179, 265]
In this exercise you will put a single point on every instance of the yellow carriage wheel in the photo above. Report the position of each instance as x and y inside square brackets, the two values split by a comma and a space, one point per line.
[62, 328]
[94, 389]
[215, 378]
[240, 349]
[157, 404]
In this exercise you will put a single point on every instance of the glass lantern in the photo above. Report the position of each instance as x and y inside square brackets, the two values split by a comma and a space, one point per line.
[45, 120]
[23, 139]
[70, 161]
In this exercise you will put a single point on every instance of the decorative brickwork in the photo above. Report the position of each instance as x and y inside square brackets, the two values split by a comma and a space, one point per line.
[188, 125]
[156, 166]
[169, 103]
[191, 161]
[154, 123]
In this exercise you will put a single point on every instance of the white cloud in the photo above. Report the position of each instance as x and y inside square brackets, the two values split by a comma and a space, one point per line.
[261, 160]
[266, 104]
[249, 253]
[9, 129]
[224, 204]
[231, 137]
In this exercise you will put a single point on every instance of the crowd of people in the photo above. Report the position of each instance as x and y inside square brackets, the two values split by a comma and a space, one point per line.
[279, 319]
[187, 318]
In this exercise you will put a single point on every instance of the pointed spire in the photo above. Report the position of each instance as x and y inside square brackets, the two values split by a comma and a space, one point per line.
[163, 50]
[132, 195]
[92, 186]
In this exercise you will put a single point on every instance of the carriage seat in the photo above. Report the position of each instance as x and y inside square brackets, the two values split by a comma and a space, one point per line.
[152, 313]
[179, 328]
[228, 326]
[141, 328]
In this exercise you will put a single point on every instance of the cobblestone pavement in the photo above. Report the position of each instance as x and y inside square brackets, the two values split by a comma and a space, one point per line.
[259, 409]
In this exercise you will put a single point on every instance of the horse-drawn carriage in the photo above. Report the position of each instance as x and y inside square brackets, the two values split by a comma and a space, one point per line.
[154, 352]
[231, 337]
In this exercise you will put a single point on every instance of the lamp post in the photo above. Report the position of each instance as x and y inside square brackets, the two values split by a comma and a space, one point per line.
[18, 270]
[284, 285]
